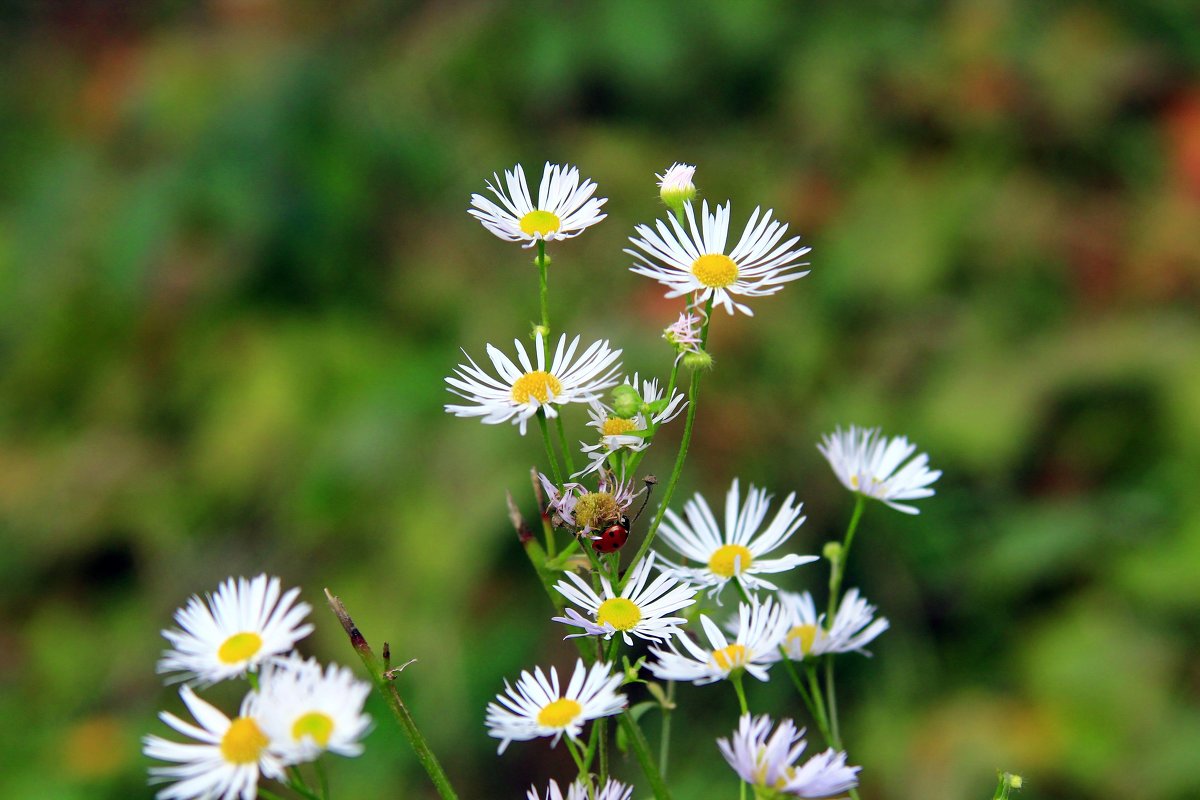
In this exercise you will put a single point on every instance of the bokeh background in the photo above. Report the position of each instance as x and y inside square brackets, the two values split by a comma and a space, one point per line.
[236, 265]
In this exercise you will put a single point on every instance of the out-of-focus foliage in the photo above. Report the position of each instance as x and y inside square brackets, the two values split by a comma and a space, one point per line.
[235, 266]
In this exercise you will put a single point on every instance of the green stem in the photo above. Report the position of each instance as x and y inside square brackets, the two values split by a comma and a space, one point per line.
[822, 724]
[831, 700]
[555, 471]
[268, 794]
[322, 779]
[562, 442]
[839, 565]
[387, 687]
[641, 751]
[814, 689]
[296, 784]
[636, 457]
[664, 746]
[736, 680]
[575, 754]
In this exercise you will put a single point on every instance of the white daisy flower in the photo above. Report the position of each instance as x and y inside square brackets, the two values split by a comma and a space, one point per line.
[564, 207]
[613, 790]
[870, 465]
[224, 766]
[537, 707]
[586, 510]
[617, 432]
[244, 624]
[520, 392]
[736, 552]
[853, 626]
[675, 186]
[640, 610]
[695, 260]
[306, 710]
[769, 761]
[760, 629]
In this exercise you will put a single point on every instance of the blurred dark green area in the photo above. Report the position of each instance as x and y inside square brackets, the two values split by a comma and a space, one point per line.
[236, 265]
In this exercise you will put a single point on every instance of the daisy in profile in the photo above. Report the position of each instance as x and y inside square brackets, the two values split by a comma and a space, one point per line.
[586, 510]
[874, 466]
[760, 629]
[768, 761]
[641, 610]
[612, 790]
[738, 550]
[565, 207]
[695, 260]
[521, 391]
[537, 706]
[854, 626]
[225, 765]
[244, 624]
[619, 432]
[306, 710]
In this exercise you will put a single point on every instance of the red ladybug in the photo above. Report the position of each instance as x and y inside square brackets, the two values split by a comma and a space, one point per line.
[612, 538]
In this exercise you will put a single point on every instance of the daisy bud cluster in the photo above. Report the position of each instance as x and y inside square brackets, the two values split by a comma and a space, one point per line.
[294, 711]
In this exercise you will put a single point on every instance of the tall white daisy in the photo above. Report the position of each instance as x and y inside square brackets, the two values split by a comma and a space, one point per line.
[640, 609]
[768, 761]
[306, 710]
[870, 465]
[565, 207]
[760, 629]
[853, 628]
[520, 392]
[612, 790]
[695, 260]
[537, 706]
[226, 763]
[625, 433]
[738, 550]
[245, 623]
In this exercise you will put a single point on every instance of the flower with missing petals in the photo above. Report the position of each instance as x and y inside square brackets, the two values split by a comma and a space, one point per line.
[853, 628]
[565, 207]
[537, 706]
[625, 433]
[586, 510]
[874, 466]
[694, 260]
[522, 391]
[244, 624]
[768, 761]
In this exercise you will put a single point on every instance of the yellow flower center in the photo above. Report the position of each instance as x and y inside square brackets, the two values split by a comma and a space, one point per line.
[537, 384]
[243, 742]
[805, 635]
[540, 223]
[730, 560]
[622, 614]
[239, 647]
[715, 270]
[315, 724]
[560, 713]
[615, 426]
[595, 508]
[730, 658]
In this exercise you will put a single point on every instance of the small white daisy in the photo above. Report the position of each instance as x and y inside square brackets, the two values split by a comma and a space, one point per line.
[245, 623]
[675, 186]
[586, 510]
[853, 626]
[760, 629]
[769, 761]
[520, 392]
[621, 433]
[565, 207]
[735, 552]
[640, 610]
[537, 707]
[695, 261]
[612, 790]
[870, 465]
[224, 766]
[306, 710]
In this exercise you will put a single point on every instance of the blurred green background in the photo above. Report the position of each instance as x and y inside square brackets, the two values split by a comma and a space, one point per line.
[236, 265]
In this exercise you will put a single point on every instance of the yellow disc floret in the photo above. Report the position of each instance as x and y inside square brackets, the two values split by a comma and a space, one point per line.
[715, 270]
[804, 635]
[730, 560]
[595, 508]
[239, 647]
[622, 614]
[730, 658]
[559, 714]
[315, 724]
[537, 385]
[615, 426]
[540, 223]
[244, 742]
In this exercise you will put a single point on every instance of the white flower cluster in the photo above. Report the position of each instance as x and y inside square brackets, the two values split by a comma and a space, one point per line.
[297, 710]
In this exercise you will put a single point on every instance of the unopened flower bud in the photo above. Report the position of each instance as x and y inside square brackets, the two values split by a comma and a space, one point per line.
[698, 359]
[675, 186]
[832, 551]
[542, 329]
[626, 401]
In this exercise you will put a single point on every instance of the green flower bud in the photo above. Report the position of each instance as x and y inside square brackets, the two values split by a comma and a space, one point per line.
[698, 359]
[626, 401]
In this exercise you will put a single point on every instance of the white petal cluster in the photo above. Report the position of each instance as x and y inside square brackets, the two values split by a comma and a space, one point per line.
[760, 629]
[565, 206]
[854, 626]
[874, 466]
[769, 760]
